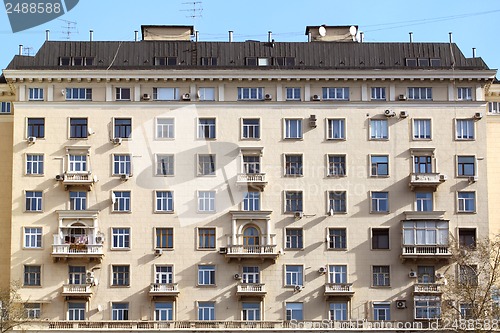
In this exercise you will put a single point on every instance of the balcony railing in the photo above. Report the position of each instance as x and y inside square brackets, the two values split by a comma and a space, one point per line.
[252, 179]
[163, 289]
[251, 289]
[251, 251]
[338, 289]
[427, 288]
[432, 180]
[78, 179]
[84, 290]
[91, 251]
[426, 251]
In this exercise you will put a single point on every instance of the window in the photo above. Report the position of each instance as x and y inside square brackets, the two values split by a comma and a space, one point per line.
[119, 311]
[251, 201]
[77, 163]
[466, 202]
[421, 129]
[164, 311]
[206, 238]
[206, 275]
[32, 275]
[123, 128]
[164, 274]
[250, 311]
[464, 93]
[208, 61]
[121, 275]
[34, 164]
[36, 127]
[337, 202]
[251, 164]
[338, 311]
[465, 129]
[77, 275]
[294, 238]
[78, 94]
[423, 202]
[411, 62]
[164, 238]
[336, 165]
[165, 61]
[206, 311]
[427, 307]
[254, 61]
[206, 165]
[337, 238]
[380, 239]
[338, 94]
[466, 311]
[379, 165]
[380, 202]
[33, 201]
[435, 62]
[206, 128]
[121, 201]
[32, 237]
[164, 165]
[294, 311]
[5, 107]
[381, 311]
[165, 128]
[284, 61]
[251, 275]
[293, 165]
[164, 201]
[293, 94]
[293, 129]
[420, 93]
[337, 274]
[120, 238]
[336, 129]
[466, 166]
[122, 165]
[77, 200]
[251, 129]
[76, 61]
[294, 275]
[381, 276]
[468, 275]
[426, 274]
[206, 94]
[427, 233]
[35, 94]
[76, 311]
[250, 94]
[494, 107]
[33, 310]
[293, 201]
[467, 238]
[378, 93]
[422, 164]
[123, 94]
[423, 62]
[206, 201]
[78, 128]
[166, 94]
[379, 129]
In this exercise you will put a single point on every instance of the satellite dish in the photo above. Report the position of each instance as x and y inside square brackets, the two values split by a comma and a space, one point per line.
[353, 30]
[322, 31]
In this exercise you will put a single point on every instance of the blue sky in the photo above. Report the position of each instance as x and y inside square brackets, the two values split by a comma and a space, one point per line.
[473, 23]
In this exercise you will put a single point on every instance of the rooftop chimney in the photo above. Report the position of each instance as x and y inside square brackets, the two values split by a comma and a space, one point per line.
[411, 37]
[473, 52]
[21, 49]
[136, 35]
[91, 35]
[196, 33]
[451, 37]
[269, 36]
[47, 35]
[230, 36]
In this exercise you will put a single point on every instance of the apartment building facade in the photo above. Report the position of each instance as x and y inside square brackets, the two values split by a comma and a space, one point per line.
[170, 183]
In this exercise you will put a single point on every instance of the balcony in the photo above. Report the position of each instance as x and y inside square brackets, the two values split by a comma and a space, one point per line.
[77, 290]
[251, 289]
[427, 289]
[426, 252]
[252, 180]
[426, 180]
[68, 251]
[85, 179]
[338, 289]
[163, 289]
[251, 252]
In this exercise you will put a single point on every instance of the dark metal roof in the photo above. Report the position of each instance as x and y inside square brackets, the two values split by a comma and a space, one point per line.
[314, 55]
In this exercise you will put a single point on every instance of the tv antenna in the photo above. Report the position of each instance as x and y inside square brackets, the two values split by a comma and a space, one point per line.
[70, 29]
[27, 51]
[196, 11]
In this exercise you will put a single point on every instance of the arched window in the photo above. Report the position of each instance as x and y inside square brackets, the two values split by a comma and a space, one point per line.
[251, 236]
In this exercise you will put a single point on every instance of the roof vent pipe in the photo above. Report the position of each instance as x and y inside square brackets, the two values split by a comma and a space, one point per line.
[451, 37]
[269, 36]
[309, 37]
[91, 35]
[47, 35]
[136, 35]
[361, 36]
[411, 36]
[21, 49]
[196, 33]
[473, 52]
[230, 36]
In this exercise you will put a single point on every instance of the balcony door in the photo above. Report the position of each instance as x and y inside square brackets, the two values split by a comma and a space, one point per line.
[251, 237]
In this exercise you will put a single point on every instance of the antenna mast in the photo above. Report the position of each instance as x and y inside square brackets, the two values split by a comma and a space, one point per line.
[70, 29]
[196, 11]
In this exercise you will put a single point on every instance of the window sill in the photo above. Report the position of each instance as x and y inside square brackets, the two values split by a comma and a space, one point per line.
[335, 139]
[467, 212]
[164, 212]
[292, 176]
[164, 175]
[336, 176]
[380, 213]
[334, 249]
[206, 249]
[120, 249]
[380, 249]
[164, 139]
[381, 287]
[34, 175]
[120, 286]
[206, 285]
[121, 212]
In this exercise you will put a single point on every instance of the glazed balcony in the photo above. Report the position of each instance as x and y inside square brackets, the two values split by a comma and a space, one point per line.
[77, 290]
[338, 289]
[251, 289]
[426, 252]
[426, 180]
[163, 289]
[85, 179]
[252, 180]
[427, 288]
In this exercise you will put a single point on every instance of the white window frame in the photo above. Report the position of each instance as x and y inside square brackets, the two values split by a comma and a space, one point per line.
[288, 124]
[494, 107]
[293, 93]
[78, 94]
[337, 274]
[77, 313]
[204, 160]
[33, 237]
[250, 131]
[336, 93]
[458, 168]
[299, 201]
[292, 171]
[465, 129]
[120, 238]
[251, 313]
[164, 204]
[168, 242]
[296, 278]
[420, 93]
[250, 274]
[206, 94]
[124, 164]
[206, 201]
[294, 241]
[120, 92]
[463, 202]
[251, 201]
[381, 278]
[78, 200]
[374, 165]
[160, 276]
[165, 162]
[375, 203]
[203, 278]
[422, 129]
[379, 129]
[431, 303]
[250, 93]
[211, 127]
[38, 199]
[464, 93]
[202, 307]
[378, 94]
[344, 310]
[294, 307]
[121, 275]
[77, 163]
[120, 313]
[334, 201]
[204, 239]
[35, 94]
[336, 129]
[35, 165]
[121, 201]
[165, 130]
[422, 204]
[425, 232]
[33, 310]
[166, 94]
[382, 311]
[334, 165]
[5, 107]
[164, 312]
[332, 239]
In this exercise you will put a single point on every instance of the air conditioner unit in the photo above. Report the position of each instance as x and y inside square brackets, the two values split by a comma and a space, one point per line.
[389, 113]
[439, 275]
[90, 131]
[316, 98]
[124, 177]
[473, 179]
[158, 252]
[322, 270]
[59, 177]
[268, 97]
[443, 177]
[298, 288]
[186, 97]
[402, 97]
[312, 120]
[237, 277]
[299, 215]
[331, 212]
[401, 304]
[412, 274]
[90, 274]
[403, 114]
[478, 115]
[117, 141]
[222, 250]
[31, 139]
[146, 97]
[99, 239]
[89, 280]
